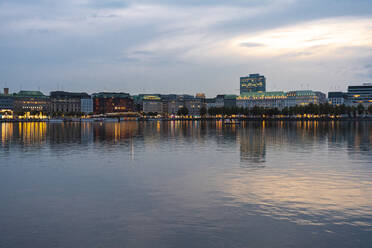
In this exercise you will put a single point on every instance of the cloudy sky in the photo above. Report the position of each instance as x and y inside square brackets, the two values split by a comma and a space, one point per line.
[170, 46]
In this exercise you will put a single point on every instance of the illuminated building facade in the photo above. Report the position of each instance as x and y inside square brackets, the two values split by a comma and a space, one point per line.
[275, 99]
[67, 102]
[193, 105]
[31, 101]
[252, 83]
[152, 104]
[280, 99]
[107, 102]
[303, 97]
[359, 94]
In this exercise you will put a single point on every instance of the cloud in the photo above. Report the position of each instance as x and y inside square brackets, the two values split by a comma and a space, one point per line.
[208, 43]
[251, 44]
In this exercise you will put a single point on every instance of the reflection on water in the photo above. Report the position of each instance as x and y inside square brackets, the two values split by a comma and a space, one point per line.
[200, 184]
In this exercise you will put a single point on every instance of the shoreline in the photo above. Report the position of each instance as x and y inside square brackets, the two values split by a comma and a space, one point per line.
[274, 119]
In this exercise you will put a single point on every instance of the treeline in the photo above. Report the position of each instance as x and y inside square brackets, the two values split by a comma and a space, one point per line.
[310, 109]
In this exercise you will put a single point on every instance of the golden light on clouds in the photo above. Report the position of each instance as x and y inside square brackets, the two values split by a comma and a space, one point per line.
[311, 38]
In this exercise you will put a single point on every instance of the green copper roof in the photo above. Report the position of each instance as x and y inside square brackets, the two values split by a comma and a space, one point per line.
[110, 95]
[27, 93]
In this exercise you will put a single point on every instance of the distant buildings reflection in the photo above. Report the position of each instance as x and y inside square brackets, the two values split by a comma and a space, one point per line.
[250, 138]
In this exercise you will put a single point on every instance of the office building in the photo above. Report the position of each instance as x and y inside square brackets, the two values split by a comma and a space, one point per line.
[109, 102]
[6, 100]
[152, 104]
[337, 98]
[280, 99]
[31, 101]
[86, 105]
[252, 83]
[276, 99]
[68, 102]
[359, 94]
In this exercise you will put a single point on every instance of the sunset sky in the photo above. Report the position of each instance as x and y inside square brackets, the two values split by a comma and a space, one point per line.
[184, 46]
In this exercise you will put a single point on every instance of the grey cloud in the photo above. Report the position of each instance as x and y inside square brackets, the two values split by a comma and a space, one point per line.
[101, 41]
[251, 44]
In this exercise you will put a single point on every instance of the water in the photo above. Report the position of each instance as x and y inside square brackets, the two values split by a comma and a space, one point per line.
[186, 184]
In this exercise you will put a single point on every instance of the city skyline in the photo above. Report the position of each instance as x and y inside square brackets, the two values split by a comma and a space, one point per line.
[165, 47]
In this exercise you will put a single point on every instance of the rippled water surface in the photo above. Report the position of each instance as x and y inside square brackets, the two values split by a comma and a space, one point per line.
[186, 184]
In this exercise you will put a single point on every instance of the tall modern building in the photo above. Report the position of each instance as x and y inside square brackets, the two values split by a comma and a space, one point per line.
[360, 94]
[252, 83]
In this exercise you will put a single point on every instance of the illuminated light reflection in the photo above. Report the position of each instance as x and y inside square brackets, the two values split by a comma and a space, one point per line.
[290, 196]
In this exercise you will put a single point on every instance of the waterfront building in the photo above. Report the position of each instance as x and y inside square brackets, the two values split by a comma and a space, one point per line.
[252, 83]
[31, 101]
[86, 105]
[109, 102]
[220, 101]
[321, 97]
[194, 106]
[68, 102]
[337, 98]
[360, 94]
[302, 97]
[229, 101]
[280, 99]
[6, 104]
[152, 104]
[210, 102]
[276, 99]
[6, 100]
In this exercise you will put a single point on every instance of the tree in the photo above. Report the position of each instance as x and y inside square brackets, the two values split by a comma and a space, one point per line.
[360, 109]
[203, 111]
[183, 111]
[370, 109]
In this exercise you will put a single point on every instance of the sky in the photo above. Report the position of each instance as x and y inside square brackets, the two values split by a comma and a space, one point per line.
[167, 46]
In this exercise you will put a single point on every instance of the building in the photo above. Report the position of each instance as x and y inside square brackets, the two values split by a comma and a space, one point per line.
[275, 99]
[359, 94]
[337, 98]
[6, 104]
[152, 104]
[68, 102]
[229, 101]
[252, 83]
[86, 105]
[6, 100]
[31, 101]
[200, 95]
[301, 97]
[280, 99]
[109, 102]
[193, 105]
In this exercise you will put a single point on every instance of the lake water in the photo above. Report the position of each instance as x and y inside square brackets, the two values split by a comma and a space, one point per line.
[186, 184]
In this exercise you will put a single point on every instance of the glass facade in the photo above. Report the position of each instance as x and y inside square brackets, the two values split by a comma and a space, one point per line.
[252, 83]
